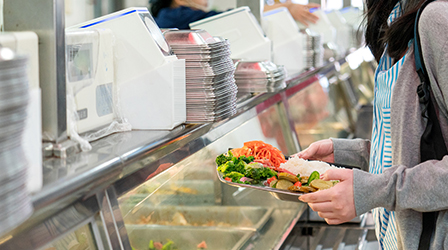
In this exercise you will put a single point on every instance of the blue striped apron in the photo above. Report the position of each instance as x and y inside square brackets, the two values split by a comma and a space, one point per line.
[381, 145]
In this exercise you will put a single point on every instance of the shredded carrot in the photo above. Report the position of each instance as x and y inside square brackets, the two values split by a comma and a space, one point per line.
[260, 151]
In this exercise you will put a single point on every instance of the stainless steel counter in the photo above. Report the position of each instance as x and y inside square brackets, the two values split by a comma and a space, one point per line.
[87, 185]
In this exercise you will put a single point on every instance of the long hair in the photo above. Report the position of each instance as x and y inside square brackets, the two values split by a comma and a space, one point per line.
[157, 5]
[397, 35]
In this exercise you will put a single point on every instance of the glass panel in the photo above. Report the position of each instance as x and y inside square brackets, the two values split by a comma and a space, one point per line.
[187, 205]
[319, 111]
[81, 239]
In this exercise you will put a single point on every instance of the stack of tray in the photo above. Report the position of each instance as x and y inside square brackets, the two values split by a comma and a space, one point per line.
[256, 77]
[15, 204]
[314, 50]
[210, 83]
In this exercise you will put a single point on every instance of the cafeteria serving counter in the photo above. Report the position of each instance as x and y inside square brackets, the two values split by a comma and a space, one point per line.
[138, 188]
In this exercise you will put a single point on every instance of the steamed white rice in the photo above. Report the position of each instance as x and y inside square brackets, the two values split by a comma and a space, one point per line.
[303, 167]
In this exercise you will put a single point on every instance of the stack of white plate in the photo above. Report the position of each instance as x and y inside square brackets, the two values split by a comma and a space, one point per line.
[258, 77]
[15, 203]
[210, 83]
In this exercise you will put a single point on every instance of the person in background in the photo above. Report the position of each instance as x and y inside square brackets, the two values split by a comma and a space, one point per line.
[299, 12]
[180, 13]
[398, 188]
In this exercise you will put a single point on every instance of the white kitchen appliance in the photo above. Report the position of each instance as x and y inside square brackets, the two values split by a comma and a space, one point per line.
[90, 80]
[288, 42]
[343, 31]
[150, 81]
[239, 26]
[26, 43]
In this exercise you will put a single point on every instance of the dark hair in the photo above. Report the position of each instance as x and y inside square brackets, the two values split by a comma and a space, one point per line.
[157, 5]
[397, 35]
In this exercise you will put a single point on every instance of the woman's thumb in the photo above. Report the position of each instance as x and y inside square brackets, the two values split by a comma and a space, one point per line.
[337, 174]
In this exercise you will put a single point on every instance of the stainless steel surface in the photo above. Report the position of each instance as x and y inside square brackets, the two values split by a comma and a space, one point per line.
[280, 194]
[46, 18]
[108, 220]
[45, 230]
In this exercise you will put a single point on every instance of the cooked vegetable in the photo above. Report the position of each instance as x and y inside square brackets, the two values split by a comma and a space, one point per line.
[284, 184]
[304, 179]
[304, 189]
[288, 177]
[313, 176]
[321, 184]
[271, 179]
[298, 184]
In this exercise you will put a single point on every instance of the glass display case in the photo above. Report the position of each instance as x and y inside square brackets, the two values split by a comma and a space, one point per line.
[187, 206]
[81, 238]
[140, 189]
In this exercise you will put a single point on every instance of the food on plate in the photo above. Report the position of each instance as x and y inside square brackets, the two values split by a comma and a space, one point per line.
[297, 165]
[156, 245]
[202, 245]
[262, 151]
[259, 163]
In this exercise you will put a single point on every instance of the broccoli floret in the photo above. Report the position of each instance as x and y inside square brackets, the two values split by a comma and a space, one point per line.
[223, 158]
[246, 159]
[227, 167]
[235, 176]
[257, 171]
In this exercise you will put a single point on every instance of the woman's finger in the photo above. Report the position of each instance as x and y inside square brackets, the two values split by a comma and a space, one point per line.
[337, 174]
[321, 196]
[322, 206]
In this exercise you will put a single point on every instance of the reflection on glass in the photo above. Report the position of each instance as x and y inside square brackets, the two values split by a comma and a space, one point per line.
[80, 239]
[185, 205]
[318, 113]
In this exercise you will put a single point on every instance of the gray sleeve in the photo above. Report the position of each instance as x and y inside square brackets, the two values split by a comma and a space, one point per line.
[352, 152]
[433, 30]
[421, 188]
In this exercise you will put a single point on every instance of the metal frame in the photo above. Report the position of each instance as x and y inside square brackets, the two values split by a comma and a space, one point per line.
[46, 18]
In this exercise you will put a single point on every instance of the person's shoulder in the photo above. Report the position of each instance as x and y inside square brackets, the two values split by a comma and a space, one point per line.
[435, 13]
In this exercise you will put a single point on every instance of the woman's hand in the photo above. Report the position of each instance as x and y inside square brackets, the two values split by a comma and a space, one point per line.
[299, 12]
[302, 13]
[336, 205]
[320, 150]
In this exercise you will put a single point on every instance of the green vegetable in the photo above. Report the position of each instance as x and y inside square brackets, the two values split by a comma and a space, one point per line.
[223, 158]
[168, 245]
[151, 245]
[235, 176]
[257, 171]
[313, 176]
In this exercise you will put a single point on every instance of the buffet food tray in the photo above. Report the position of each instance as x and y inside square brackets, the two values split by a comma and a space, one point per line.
[237, 217]
[181, 192]
[220, 238]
